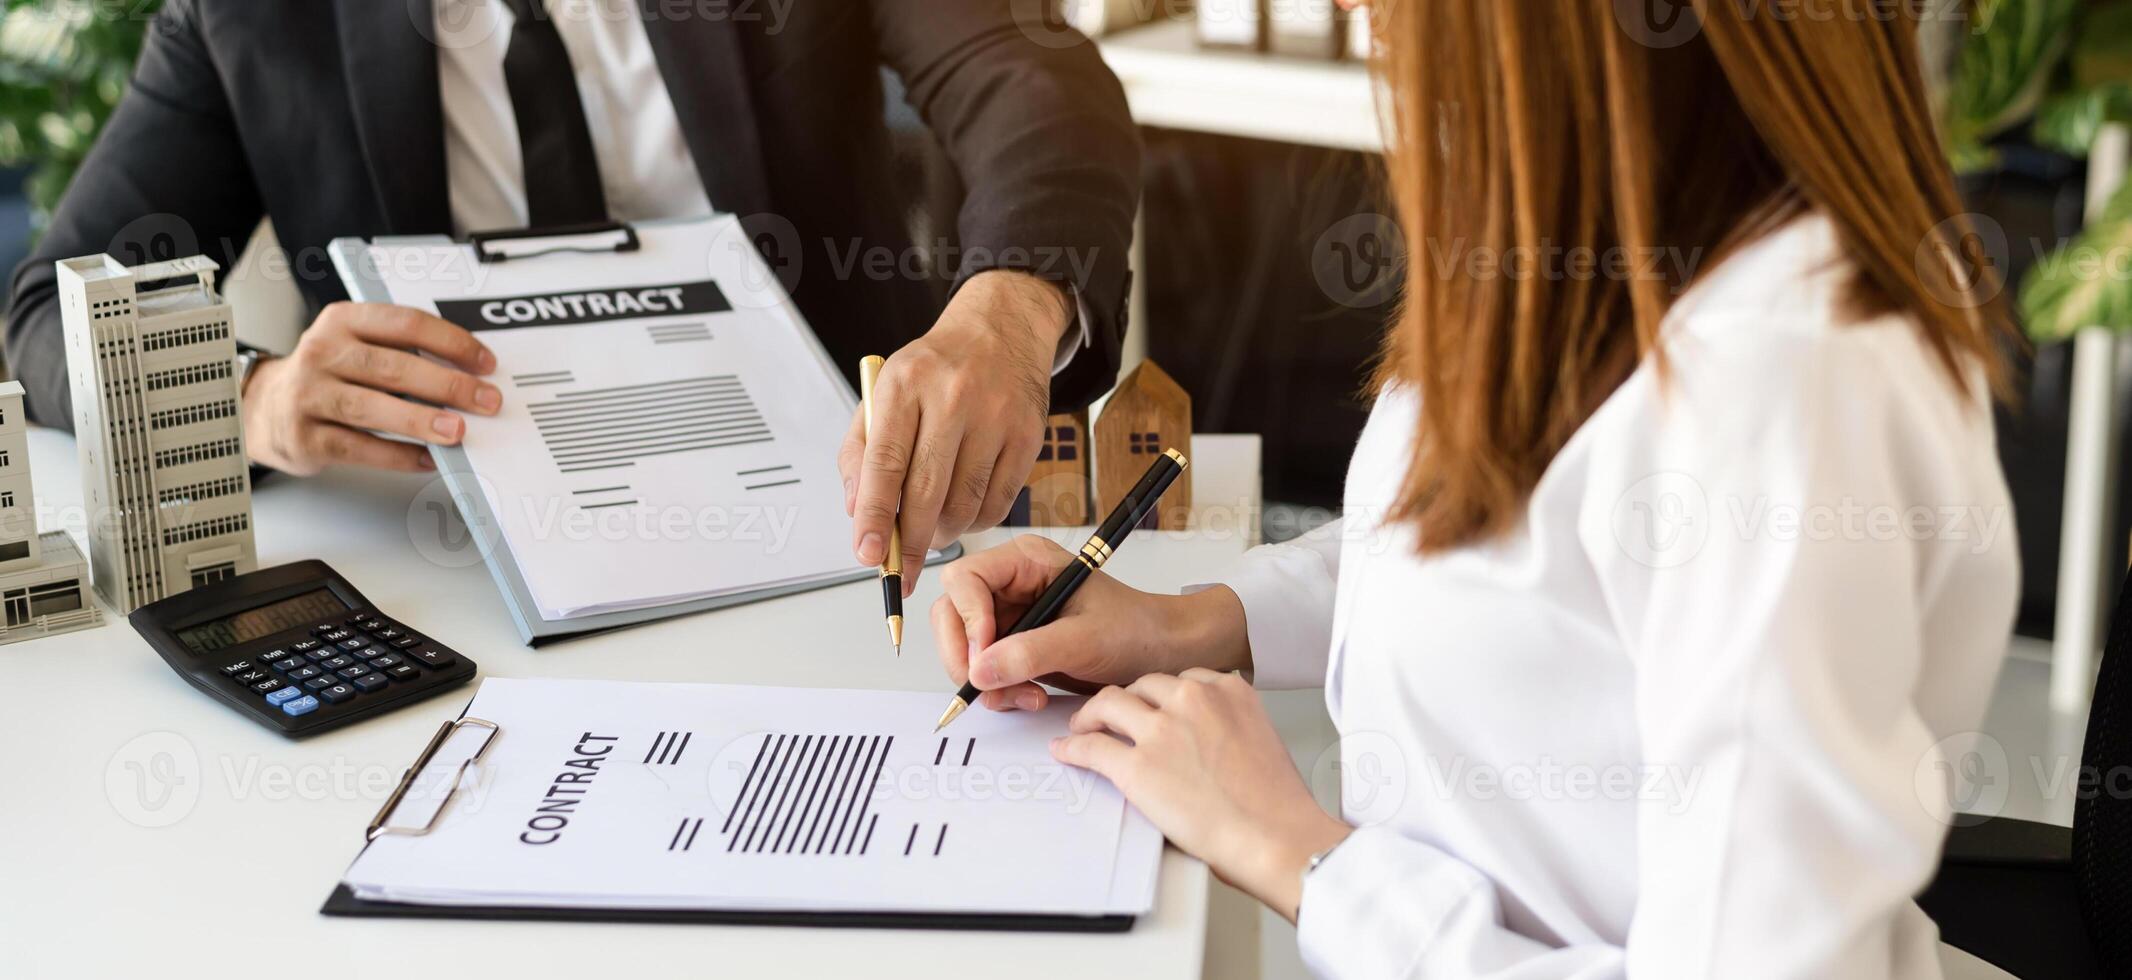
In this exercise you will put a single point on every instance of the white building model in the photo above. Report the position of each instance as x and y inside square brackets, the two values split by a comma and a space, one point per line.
[152, 363]
[41, 576]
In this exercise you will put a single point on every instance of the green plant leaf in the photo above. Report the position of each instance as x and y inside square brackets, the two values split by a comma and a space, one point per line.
[2088, 281]
[2067, 122]
[2004, 68]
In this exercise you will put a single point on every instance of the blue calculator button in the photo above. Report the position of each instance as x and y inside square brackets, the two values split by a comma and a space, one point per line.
[284, 695]
[300, 706]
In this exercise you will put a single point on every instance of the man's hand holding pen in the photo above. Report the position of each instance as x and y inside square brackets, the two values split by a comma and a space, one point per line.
[959, 415]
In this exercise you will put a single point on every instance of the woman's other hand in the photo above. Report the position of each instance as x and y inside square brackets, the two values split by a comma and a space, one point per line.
[1197, 754]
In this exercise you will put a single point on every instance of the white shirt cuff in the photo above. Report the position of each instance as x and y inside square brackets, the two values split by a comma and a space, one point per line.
[1377, 903]
[1287, 592]
[1077, 335]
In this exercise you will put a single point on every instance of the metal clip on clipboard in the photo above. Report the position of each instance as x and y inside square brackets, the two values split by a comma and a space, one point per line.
[378, 827]
[598, 236]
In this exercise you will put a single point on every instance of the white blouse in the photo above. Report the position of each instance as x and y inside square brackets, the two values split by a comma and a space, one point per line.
[1690, 718]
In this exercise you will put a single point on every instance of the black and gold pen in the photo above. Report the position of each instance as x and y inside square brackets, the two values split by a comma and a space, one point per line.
[1109, 535]
[892, 561]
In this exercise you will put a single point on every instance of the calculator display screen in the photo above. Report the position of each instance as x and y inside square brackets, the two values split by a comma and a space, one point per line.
[251, 624]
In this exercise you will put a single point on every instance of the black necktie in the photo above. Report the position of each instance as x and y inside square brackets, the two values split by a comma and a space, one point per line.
[562, 174]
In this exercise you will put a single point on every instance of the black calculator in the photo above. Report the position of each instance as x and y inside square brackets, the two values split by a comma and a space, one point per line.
[297, 649]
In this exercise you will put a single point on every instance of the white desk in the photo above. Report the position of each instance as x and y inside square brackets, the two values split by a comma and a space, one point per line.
[110, 867]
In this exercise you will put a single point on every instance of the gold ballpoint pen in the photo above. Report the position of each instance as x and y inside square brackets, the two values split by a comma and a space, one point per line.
[892, 562]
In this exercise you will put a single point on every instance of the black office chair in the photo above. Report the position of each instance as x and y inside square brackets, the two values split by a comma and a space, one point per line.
[2040, 901]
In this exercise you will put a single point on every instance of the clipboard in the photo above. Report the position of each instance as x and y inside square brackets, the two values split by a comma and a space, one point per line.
[366, 283]
[344, 902]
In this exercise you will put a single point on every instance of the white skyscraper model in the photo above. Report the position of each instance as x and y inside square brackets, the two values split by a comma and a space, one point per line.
[41, 576]
[151, 358]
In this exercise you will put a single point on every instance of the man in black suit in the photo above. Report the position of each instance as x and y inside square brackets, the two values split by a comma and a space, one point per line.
[356, 117]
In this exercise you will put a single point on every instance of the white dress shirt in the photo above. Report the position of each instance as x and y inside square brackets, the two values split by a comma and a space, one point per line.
[645, 166]
[1689, 719]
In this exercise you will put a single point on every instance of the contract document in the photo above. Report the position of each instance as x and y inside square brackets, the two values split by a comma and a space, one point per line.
[669, 426]
[618, 795]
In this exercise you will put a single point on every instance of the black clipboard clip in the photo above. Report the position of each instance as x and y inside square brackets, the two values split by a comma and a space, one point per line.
[591, 237]
[380, 826]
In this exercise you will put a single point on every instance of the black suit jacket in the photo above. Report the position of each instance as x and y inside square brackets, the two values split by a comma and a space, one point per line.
[325, 116]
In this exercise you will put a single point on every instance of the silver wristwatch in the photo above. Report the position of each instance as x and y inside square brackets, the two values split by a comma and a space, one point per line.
[248, 358]
[1310, 866]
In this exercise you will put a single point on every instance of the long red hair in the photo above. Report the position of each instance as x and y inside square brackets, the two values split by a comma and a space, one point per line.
[1531, 127]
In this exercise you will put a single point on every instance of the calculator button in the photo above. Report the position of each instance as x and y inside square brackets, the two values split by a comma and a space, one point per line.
[300, 706]
[288, 663]
[372, 625]
[236, 668]
[283, 696]
[304, 646]
[355, 643]
[385, 661]
[370, 682]
[403, 672]
[404, 642]
[251, 677]
[354, 672]
[433, 656]
[305, 672]
[321, 682]
[374, 653]
[337, 662]
[337, 693]
[269, 686]
[324, 628]
[384, 632]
